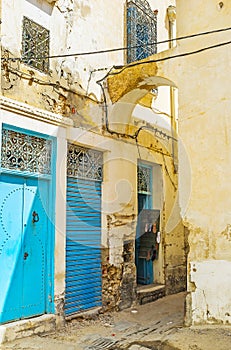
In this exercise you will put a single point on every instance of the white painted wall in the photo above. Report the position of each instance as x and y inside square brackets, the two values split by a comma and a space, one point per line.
[162, 21]
[75, 27]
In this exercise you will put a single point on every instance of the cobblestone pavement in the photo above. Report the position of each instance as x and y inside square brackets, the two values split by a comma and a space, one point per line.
[155, 326]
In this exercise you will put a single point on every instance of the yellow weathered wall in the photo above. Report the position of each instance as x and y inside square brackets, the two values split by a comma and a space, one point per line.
[204, 158]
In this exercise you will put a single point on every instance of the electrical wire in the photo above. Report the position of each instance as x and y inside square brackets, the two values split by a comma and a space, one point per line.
[137, 63]
[124, 48]
[155, 130]
[138, 149]
[185, 54]
[36, 80]
[158, 133]
[167, 172]
[158, 111]
[134, 136]
[110, 72]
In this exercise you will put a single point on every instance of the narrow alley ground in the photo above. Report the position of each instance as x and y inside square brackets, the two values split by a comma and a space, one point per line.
[155, 326]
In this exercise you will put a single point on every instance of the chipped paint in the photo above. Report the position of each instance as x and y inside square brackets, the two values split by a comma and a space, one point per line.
[118, 219]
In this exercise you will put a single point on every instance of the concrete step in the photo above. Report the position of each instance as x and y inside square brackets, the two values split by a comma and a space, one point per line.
[148, 293]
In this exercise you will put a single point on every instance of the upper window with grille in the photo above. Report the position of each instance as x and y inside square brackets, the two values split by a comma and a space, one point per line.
[35, 45]
[141, 30]
[144, 179]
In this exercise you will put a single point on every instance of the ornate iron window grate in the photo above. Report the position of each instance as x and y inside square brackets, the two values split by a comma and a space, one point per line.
[84, 163]
[35, 45]
[25, 152]
[141, 30]
[144, 176]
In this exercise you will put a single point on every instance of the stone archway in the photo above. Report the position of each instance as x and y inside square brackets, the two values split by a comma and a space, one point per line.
[127, 86]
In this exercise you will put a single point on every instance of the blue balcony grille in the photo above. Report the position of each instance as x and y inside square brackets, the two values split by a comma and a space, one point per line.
[141, 30]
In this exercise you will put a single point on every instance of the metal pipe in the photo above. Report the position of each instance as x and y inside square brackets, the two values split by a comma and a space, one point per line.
[171, 13]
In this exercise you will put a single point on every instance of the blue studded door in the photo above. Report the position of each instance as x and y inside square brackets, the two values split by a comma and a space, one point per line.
[23, 233]
[25, 229]
[34, 245]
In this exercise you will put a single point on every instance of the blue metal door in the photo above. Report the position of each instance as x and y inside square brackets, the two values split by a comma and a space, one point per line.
[145, 272]
[83, 245]
[23, 237]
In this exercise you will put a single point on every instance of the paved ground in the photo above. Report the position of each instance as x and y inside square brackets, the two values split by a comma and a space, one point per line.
[155, 326]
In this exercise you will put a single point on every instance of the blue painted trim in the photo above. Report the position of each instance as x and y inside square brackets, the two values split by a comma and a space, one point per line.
[50, 307]
[51, 253]
[25, 174]
[26, 131]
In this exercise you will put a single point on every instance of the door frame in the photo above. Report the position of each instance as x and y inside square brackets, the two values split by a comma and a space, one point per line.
[148, 205]
[49, 297]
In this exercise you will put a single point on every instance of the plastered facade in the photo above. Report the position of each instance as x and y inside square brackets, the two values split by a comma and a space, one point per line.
[204, 159]
[204, 130]
[67, 104]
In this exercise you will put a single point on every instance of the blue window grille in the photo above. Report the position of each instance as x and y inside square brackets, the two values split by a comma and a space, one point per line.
[141, 30]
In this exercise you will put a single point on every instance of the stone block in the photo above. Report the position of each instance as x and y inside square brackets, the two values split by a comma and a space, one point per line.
[26, 328]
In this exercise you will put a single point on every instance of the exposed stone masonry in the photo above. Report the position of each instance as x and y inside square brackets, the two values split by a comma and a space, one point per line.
[119, 282]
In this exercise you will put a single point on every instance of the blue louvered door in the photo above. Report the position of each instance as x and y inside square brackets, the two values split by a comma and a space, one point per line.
[83, 245]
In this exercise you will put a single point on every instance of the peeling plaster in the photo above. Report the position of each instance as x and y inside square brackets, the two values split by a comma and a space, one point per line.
[65, 5]
[68, 70]
[66, 75]
[227, 232]
[133, 76]
[118, 219]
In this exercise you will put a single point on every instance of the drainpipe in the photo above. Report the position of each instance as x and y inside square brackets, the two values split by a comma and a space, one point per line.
[171, 15]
